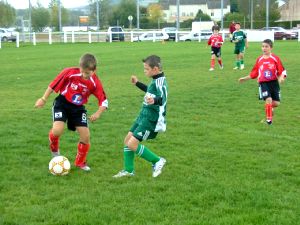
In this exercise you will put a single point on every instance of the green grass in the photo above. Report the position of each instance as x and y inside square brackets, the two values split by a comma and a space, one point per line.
[224, 166]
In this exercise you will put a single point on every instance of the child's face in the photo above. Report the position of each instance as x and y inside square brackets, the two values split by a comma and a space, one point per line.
[216, 31]
[86, 73]
[266, 48]
[150, 72]
[237, 26]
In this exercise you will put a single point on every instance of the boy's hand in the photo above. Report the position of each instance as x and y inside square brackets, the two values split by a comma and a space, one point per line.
[242, 79]
[40, 103]
[94, 117]
[281, 79]
[150, 100]
[134, 79]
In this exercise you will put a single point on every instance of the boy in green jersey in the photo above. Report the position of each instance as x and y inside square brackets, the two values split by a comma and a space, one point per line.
[239, 37]
[150, 121]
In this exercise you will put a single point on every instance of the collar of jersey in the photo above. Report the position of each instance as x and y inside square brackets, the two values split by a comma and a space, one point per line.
[158, 75]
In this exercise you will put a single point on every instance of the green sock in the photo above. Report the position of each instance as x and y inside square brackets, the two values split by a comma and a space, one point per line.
[146, 154]
[238, 63]
[128, 160]
[242, 62]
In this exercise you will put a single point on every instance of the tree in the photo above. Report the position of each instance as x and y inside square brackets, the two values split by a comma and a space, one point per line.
[54, 22]
[8, 14]
[40, 18]
[122, 11]
[105, 12]
[202, 16]
[155, 13]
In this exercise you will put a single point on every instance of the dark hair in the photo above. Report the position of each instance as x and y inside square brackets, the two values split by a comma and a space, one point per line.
[88, 61]
[238, 23]
[269, 42]
[153, 61]
[216, 28]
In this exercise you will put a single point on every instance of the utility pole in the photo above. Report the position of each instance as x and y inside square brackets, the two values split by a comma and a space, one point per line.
[98, 22]
[29, 20]
[138, 14]
[251, 15]
[178, 15]
[267, 13]
[59, 15]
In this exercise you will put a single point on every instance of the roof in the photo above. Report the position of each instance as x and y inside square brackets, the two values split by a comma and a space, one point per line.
[211, 4]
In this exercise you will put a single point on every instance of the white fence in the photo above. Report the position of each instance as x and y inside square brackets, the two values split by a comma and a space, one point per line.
[132, 36]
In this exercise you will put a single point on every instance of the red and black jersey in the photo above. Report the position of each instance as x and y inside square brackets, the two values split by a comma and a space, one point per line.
[215, 41]
[76, 89]
[267, 69]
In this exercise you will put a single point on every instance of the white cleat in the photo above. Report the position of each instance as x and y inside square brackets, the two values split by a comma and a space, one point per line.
[158, 166]
[123, 173]
[242, 66]
[236, 68]
[84, 167]
[211, 69]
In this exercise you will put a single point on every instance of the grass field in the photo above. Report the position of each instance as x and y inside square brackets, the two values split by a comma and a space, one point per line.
[224, 166]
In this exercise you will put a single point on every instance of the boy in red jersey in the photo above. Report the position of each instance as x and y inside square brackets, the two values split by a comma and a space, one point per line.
[75, 86]
[269, 72]
[215, 41]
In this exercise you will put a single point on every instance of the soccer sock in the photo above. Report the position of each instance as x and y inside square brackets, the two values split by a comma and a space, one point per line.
[220, 62]
[53, 142]
[238, 63]
[268, 108]
[212, 63]
[146, 154]
[82, 150]
[242, 62]
[128, 160]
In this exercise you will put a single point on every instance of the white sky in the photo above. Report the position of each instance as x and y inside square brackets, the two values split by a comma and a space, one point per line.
[23, 4]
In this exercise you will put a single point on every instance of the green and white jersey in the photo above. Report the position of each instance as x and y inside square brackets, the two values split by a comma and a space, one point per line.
[240, 36]
[158, 89]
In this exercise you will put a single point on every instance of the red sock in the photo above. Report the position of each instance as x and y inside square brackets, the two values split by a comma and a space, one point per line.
[82, 150]
[53, 142]
[220, 62]
[268, 108]
[212, 63]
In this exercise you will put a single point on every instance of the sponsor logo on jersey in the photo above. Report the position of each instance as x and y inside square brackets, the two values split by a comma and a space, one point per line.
[267, 74]
[140, 134]
[77, 99]
[74, 86]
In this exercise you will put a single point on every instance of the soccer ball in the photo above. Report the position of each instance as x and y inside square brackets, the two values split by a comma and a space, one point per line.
[59, 166]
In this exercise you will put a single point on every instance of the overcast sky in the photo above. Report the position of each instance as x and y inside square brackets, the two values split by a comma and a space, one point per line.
[23, 4]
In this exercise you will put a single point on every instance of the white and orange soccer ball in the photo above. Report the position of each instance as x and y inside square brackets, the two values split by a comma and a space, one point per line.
[59, 166]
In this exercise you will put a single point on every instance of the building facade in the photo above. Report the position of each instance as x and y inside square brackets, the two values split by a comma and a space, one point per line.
[188, 9]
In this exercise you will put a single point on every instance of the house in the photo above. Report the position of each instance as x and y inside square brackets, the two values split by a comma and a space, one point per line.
[290, 11]
[188, 9]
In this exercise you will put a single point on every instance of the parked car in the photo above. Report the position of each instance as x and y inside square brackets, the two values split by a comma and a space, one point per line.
[150, 36]
[7, 35]
[194, 36]
[117, 34]
[281, 33]
[171, 31]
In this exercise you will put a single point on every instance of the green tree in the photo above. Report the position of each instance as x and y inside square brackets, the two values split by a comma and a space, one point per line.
[105, 12]
[202, 16]
[54, 22]
[155, 13]
[40, 18]
[7, 14]
[122, 11]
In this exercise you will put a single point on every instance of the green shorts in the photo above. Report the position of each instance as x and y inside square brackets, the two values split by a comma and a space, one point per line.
[143, 130]
[239, 49]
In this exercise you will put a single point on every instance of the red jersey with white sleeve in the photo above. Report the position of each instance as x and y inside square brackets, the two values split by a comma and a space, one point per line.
[76, 89]
[215, 41]
[267, 69]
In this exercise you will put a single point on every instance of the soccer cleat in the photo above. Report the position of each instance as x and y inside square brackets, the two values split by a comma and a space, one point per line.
[158, 166]
[236, 68]
[123, 173]
[211, 69]
[269, 122]
[221, 67]
[54, 154]
[84, 167]
[242, 66]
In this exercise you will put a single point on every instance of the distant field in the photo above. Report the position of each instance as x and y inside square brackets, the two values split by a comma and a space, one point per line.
[224, 166]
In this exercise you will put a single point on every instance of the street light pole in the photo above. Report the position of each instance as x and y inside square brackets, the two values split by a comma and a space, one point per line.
[267, 13]
[222, 15]
[178, 15]
[29, 20]
[251, 15]
[98, 23]
[138, 14]
[59, 15]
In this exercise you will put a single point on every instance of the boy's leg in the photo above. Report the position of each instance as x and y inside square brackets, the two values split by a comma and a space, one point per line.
[83, 148]
[242, 61]
[268, 110]
[54, 134]
[128, 160]
[147, 154]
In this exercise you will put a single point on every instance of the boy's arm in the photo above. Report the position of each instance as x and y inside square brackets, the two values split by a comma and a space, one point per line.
[140, 85]
[42, 101]
[97, 114]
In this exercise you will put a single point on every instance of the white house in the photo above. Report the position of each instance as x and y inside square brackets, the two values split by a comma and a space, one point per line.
[188, 9]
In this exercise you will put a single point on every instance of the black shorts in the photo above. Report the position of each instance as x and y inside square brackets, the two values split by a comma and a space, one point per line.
[216, 51]
[269, 89]
[74, 115]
